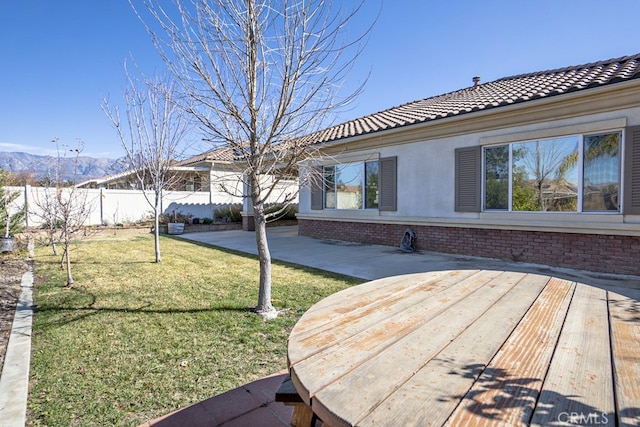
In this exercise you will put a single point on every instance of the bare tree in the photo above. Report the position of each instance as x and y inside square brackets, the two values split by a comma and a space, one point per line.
[259, 75]
[64, 208]
[152, 139]
[47, 210]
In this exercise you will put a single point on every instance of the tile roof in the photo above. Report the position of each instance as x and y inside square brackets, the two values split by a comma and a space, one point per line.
[224, 154]
[502, 92]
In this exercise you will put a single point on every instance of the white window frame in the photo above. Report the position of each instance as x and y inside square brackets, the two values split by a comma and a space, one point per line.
[580, 190]
[362, 164]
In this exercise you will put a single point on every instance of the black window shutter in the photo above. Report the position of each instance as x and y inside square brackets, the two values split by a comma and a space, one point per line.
[317, 182]
[631, 202]
[388, 184]
[467, 179]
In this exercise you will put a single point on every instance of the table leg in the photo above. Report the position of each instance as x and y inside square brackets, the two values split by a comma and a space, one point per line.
[302, 416]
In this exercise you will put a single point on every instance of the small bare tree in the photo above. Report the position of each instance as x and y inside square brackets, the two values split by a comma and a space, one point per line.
[259, 75]
[152, 138]
[47, 211]
[64, 208]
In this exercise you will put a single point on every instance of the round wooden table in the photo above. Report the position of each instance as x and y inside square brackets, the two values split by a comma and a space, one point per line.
[470, 346]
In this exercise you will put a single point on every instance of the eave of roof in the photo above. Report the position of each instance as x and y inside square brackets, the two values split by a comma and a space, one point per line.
[131, 172]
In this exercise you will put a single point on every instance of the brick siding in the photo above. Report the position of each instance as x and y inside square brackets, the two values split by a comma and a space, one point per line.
[592, 252]
[248, 223]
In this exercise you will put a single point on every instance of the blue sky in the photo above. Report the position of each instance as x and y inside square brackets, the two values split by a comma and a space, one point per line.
[58, 59]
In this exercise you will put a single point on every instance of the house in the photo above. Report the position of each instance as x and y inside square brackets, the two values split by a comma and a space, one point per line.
[195, 173]
[541, 167]
[201, 184]
[227, 180]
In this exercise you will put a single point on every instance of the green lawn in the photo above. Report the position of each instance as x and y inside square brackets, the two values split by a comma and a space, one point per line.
[134, 340]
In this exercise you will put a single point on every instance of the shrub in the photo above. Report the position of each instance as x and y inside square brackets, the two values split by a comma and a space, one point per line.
[281, 212]
[47, 225]
[175, 217]
[231, 213]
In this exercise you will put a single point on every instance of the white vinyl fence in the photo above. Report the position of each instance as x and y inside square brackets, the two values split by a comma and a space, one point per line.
[108, 207]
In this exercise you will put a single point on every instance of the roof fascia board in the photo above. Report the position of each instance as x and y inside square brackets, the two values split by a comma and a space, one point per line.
[131, 172]
[189, 168]
[211, 162]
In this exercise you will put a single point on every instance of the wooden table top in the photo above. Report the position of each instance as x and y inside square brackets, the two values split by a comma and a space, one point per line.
[470, 347]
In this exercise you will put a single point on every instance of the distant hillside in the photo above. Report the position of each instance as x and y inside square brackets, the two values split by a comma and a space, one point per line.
[44, 166]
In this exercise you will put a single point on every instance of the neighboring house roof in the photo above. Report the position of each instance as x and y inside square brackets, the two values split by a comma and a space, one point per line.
[499, 93]
[132, 174]
[104, 179]
[221, 154]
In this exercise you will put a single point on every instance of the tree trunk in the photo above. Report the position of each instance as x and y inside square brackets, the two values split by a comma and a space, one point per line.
[8, 224]
[264, 308]
[52, 241]
[68, 260]
[156, 226]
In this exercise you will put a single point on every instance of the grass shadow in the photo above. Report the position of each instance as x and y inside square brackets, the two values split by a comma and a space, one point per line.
[83, 311]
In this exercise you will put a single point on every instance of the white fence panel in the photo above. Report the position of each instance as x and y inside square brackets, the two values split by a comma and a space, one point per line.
[126, 206]
[40, 200]
[197, 205]
[94, 202]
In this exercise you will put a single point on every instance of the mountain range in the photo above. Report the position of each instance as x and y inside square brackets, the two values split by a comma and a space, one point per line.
[45, 166]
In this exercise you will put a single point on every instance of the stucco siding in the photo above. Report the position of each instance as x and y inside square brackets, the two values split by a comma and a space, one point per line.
[426, 166]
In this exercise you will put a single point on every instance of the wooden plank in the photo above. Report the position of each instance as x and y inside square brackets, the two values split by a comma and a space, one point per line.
[345, 309]
[508, 389]
[317, 326]
[391, 368]
[302, 416]
[322, 314]
[363, 337]
[624, 310]
[578, 388]
[353, 341]
[435, 390]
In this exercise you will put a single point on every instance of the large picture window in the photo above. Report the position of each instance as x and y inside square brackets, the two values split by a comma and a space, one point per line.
[579, 173]
[351, 186]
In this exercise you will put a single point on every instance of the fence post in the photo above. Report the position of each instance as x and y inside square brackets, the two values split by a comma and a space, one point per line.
[27, 187]
[101, 196]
